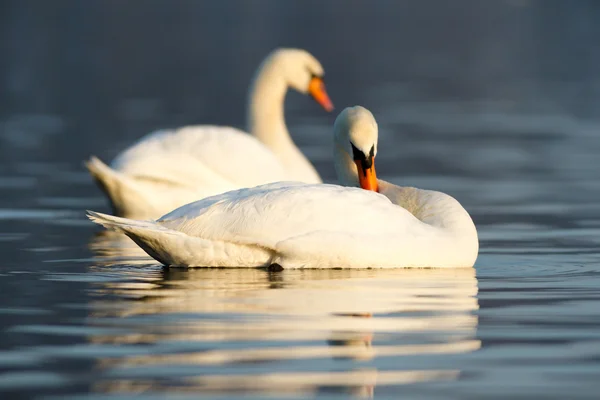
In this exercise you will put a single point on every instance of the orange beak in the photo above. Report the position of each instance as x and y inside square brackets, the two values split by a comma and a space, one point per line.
[316, 88]
[367, 176]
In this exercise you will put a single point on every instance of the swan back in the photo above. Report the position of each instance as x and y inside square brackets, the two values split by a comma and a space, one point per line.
[322, 225]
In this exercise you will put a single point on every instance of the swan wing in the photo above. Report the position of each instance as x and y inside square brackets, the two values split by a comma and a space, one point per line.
[201, 156]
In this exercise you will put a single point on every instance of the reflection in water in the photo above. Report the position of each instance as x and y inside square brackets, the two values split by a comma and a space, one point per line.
[112, 248]
[294, 332]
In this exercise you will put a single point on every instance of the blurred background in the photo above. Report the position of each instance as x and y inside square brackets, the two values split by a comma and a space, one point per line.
[99, 74]
[494, 102]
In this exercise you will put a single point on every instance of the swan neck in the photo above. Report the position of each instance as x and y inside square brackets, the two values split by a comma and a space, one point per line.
[265, 113]
[345, 167]
[266, 122]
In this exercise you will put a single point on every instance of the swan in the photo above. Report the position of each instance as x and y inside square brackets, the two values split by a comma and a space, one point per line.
[170, 168]
[298, 225]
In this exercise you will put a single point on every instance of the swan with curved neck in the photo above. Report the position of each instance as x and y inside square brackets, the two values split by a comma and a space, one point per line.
[283, 69]
[356, 136]
[298, 225]
[355, 147]
[169, 168]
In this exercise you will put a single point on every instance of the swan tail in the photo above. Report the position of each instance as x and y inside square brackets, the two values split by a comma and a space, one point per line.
[122, 191]
[157, 241]
[121, 224]
[175, 248]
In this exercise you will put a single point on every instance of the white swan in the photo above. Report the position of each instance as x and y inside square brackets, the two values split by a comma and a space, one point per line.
[300, 225]
[170, 168]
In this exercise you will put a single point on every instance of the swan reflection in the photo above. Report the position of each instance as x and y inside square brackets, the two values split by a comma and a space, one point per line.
[290, 332]
[114, 249]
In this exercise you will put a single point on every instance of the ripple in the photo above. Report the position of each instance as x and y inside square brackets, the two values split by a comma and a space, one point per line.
[33, 214]
[17, 182]
[10, 237]
[75, 202]
[24, 311]
[31, 380]
[64, 330]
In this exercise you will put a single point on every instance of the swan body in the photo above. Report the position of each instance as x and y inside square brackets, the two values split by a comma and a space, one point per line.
[170, 168]
[298, 225]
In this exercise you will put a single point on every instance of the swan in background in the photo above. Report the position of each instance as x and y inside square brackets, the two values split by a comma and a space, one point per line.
[169, 168]
[296, 225]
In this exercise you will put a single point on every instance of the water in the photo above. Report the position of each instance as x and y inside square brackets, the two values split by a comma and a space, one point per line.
[495, 104]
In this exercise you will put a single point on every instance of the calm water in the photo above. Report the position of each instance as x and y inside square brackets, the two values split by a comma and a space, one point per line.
[496, 104]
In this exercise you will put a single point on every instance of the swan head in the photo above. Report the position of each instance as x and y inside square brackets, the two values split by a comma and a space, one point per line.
[302, 72]
[356, 133]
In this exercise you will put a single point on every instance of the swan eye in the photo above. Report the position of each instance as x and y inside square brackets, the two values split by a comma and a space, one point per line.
[313, 75]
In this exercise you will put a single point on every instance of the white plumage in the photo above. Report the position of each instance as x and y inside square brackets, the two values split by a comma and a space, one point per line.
[301, 225]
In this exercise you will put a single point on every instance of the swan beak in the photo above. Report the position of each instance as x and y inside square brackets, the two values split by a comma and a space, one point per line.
[316, 88]
[366, 174]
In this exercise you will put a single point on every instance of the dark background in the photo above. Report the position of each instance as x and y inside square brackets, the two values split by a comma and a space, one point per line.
[112, 69]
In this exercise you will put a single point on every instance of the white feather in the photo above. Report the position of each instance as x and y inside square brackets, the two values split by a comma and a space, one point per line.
[301, 225]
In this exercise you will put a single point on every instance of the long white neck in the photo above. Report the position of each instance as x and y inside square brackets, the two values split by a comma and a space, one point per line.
[345, 168]
[266, 122]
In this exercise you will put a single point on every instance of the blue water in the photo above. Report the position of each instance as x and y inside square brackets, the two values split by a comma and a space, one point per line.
[495, 104]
